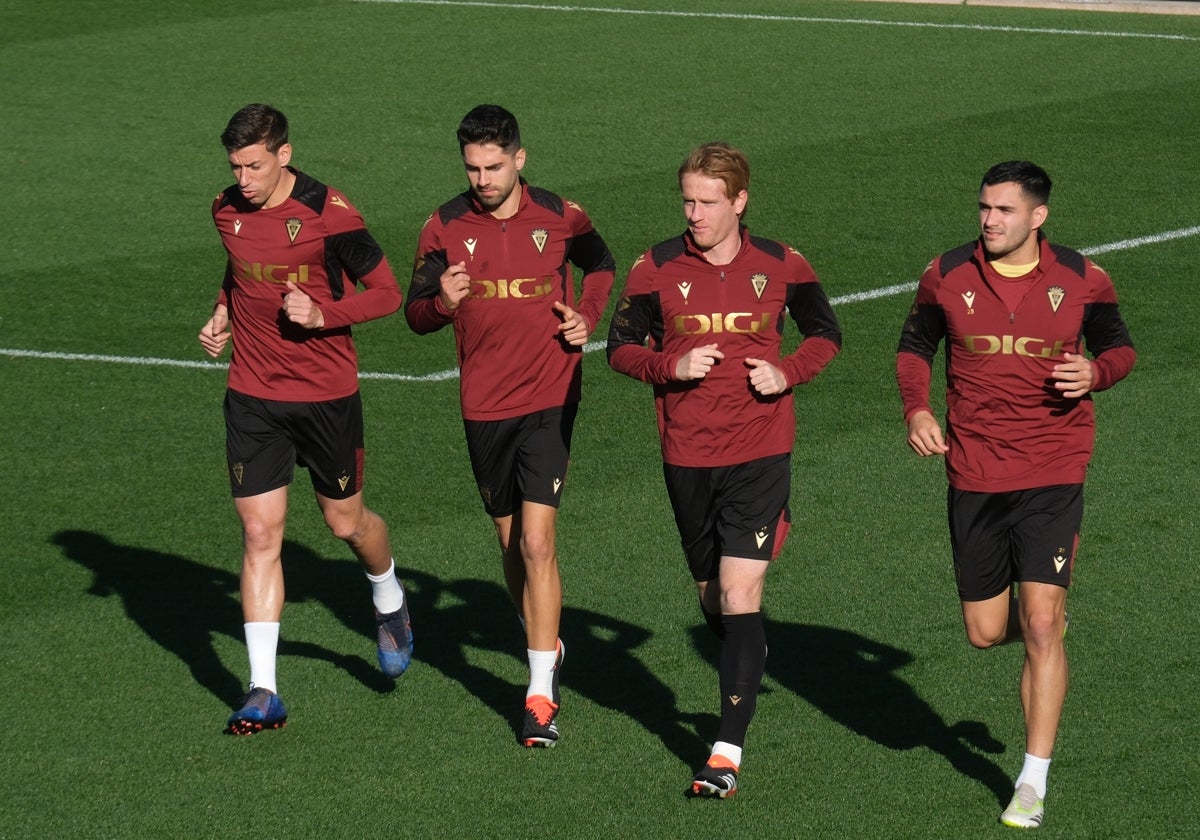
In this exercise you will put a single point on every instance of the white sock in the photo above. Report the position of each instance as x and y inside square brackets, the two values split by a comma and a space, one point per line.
[262, 639]
[729, 752]
[386, 592]
[541, 672]
[1034, 773]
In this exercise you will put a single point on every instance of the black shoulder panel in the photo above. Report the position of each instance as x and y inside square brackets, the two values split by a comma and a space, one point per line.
[1071, 259]
[232, 197]
[951, 260]
[547, 199]
[455, 208]
[769, 247]
[310, 192]
[665, 251]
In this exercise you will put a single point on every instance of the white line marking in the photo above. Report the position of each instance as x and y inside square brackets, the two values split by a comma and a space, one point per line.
[120, 360]
[485, 4]
[440, 376]
[1152, 239]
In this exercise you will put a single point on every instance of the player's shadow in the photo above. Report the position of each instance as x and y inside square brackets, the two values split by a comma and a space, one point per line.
[853, 680]
[452, 619]
[181, 604]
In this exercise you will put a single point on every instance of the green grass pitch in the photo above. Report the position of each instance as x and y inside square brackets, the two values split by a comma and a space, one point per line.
[868, 127]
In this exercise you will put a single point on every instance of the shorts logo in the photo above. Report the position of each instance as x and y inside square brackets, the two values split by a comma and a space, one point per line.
[969, 300]
[760, 536]
[735, 699]
[1060, 560]
[293, 227]
[238, 470]
[759, 282]
[343, 481]
[539, 237]
[557, 485]
[1056, 295]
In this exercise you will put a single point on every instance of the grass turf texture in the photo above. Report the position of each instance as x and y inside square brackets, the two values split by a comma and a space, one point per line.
[122, 635]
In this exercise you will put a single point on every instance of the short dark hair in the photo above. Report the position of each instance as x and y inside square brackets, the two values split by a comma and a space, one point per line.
[1032, 179]
[256, 123]
[489, 124]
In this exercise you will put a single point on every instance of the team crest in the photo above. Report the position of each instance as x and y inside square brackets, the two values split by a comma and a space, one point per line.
[759, 282]
[684, 288]
[293, 228]
[471, 243]
[540, 237]
[1056, 295]
[969, 300]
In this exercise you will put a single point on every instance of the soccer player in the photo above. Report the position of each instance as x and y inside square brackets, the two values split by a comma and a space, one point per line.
[713, 302]
[495, 262]
[1014, 311]
[297, 250]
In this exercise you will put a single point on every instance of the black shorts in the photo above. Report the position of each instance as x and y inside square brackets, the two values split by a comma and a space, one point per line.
[266, 439]
[521, 459]
[737, 511]
[1023, 535]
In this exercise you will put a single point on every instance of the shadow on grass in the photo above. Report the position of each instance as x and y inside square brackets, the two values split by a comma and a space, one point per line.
[452, 618]
[181, 604]
[853, 680]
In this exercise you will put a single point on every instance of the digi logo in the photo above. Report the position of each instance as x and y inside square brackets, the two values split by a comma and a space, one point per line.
[267, 273]
[521, 287]
[733, 322]
[1007, 345]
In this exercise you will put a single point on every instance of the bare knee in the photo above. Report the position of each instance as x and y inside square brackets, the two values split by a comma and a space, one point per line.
[987, 630]
[537, 549]
[260, 536]
[740, 599]
[1043, 630]
[984, 639]
[349, 526]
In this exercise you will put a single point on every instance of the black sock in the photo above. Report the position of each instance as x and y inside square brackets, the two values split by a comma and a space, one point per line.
[715, 623]
[743, 660]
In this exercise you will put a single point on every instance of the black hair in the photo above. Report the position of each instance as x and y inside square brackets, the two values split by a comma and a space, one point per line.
[1032, 179]
[256, 123]
[489, 124]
